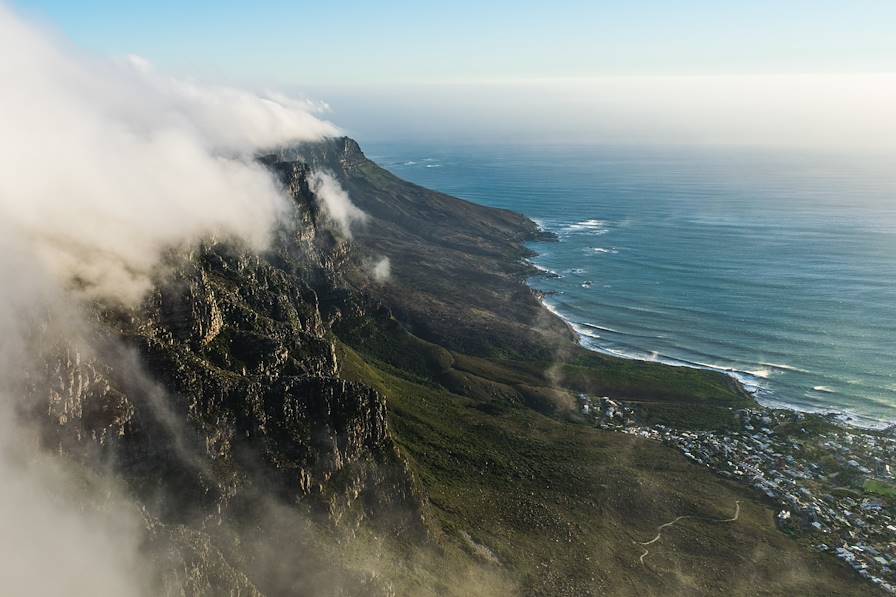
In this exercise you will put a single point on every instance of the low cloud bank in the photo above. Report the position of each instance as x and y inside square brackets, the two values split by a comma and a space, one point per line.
[56, 541]
[65, 531]
[104, 165]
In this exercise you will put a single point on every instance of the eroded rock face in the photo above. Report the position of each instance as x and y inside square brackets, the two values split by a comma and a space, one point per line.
[192, 312]
[82, 404]
[221, 393]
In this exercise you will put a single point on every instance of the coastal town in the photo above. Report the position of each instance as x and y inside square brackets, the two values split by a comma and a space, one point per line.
[832, 485]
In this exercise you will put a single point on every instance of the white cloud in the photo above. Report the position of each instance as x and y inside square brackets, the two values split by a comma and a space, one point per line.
[64, 532]
[335, 203]
[381, 270]
[53, 546]
[103, 165]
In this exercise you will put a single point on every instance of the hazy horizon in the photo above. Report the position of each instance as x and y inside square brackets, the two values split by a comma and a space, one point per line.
[805, 74]
[843, 112]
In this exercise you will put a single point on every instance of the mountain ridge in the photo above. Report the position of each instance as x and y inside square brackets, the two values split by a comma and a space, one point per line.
[281, 417]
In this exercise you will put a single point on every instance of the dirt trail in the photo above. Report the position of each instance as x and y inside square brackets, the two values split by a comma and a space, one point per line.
[659, 529]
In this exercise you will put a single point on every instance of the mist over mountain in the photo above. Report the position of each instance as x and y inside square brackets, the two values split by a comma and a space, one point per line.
[239, 357]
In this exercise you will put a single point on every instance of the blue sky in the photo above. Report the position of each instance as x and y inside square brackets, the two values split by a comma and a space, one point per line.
[273, 41]
[784, 72]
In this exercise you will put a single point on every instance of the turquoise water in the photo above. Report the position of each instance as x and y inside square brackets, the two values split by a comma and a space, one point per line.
[777, 267]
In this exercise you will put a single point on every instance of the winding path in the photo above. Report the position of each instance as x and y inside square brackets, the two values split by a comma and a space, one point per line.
[659, 529]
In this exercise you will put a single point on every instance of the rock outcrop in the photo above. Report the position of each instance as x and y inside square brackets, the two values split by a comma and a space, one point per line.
[221, 395]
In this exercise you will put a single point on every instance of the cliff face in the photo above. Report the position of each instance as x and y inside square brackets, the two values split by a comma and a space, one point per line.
[457, 266]
[221, 394]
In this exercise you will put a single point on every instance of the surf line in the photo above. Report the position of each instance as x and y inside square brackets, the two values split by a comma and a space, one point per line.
[659, 529]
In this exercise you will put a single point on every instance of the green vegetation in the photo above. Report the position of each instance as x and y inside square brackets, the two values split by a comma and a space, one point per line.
[880, 488]
[679, 396]
[481, 387]
[559, 506]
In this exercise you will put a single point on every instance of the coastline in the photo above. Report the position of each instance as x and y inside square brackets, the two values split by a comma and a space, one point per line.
[827, 371]
[759, 394]
[565, 462]
[840, 505]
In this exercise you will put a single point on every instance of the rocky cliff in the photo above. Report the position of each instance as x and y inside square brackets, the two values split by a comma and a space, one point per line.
[296, 423]
[221, 395]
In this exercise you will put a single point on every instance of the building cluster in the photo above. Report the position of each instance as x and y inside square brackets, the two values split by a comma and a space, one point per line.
[835, 488]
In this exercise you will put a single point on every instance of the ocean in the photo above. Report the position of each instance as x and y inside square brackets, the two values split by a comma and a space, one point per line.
[778, 267]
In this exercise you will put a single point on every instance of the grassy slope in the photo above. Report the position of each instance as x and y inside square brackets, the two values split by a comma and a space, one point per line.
[677, 395]
[880, 488]
[560, 505]
[480, 382]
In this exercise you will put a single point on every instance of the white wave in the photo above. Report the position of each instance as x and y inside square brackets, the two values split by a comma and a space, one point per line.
[592, 226]
[410, 163]
[544, 269]
[745, 376]
[554, 310]
[750, 381]
[433, 165]
[824, 389]
[581, 329]
[602, 328]
[601, 251]
[783, 367]
[763, 373]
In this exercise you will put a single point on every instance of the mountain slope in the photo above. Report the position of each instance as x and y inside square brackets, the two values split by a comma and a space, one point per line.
[471, 364]
[289, 423]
